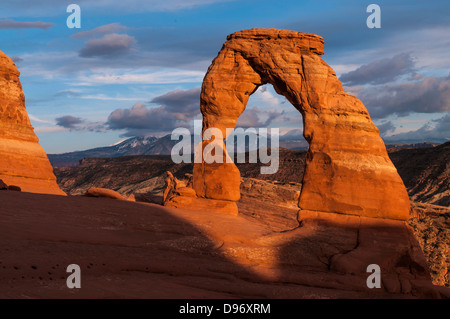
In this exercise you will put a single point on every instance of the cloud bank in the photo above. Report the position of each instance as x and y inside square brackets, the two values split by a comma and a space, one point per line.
[176, 109]
[380, 71]
[431, 95]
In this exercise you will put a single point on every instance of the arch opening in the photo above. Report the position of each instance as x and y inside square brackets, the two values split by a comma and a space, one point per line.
[277, 193]
[266, 112]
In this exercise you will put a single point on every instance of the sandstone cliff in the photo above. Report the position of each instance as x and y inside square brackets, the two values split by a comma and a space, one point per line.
[23, 162]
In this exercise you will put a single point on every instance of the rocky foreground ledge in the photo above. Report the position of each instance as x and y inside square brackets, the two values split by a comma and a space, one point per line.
[141, 250]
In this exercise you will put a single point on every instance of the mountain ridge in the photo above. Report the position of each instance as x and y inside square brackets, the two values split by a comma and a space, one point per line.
[151, 145]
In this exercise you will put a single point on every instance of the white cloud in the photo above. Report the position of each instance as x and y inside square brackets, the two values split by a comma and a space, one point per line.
[103, 97]
[267, 96]
[36, 119]
[164, 76]
[49, 129]
[51, 7]
[344, 68]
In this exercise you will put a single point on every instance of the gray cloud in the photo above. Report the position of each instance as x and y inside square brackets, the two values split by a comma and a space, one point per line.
[380, 71]
[176, 109]
[386, 127]
[431, 95]
[107, 28]
[11, 24]
[187, 101]
[79, 124]
[141, 121]
[437, 131]
[68, 121]
[109, 45]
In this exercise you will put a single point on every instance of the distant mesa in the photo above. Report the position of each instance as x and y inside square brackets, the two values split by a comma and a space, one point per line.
[23, 162]
[348, 169]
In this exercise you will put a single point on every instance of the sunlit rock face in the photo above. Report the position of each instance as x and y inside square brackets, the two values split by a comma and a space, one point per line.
[23, 162]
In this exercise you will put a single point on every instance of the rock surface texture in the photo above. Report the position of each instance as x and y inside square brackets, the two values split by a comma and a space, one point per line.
[140, 250]
[23, 162]
[272, 202]
[347, 166]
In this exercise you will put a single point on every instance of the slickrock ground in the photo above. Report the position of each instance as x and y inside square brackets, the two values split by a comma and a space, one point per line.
[265, 202]
[139, 250]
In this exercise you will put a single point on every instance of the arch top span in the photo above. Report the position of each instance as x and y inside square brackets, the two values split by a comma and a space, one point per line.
[347, 168]
[300, 40]
[288, 60]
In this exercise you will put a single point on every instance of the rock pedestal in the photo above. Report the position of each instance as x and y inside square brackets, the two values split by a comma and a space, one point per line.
[23, 162]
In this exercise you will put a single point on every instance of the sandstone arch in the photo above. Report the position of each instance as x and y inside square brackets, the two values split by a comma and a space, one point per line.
[347, 167]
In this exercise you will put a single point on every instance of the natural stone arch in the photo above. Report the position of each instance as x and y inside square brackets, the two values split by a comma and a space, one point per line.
[347, 166]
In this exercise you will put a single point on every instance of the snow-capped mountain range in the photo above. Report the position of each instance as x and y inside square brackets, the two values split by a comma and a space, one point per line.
[145, 146]
[163, 145]
[133, 146]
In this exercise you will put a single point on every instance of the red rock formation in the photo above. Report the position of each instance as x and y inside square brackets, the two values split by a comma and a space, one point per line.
[347, 167]
[179, 194]
[23, 162]
[136, 250]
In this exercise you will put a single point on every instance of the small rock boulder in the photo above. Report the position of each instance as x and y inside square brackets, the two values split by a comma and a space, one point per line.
[3, 186]
[185, 191]
[14, 188]
[130, 198]
[103, 192]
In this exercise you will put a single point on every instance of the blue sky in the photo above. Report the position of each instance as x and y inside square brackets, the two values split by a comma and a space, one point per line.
[136, 67]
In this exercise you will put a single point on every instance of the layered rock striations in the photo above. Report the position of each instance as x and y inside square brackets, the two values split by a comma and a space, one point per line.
[23, 162]
[347, 166]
